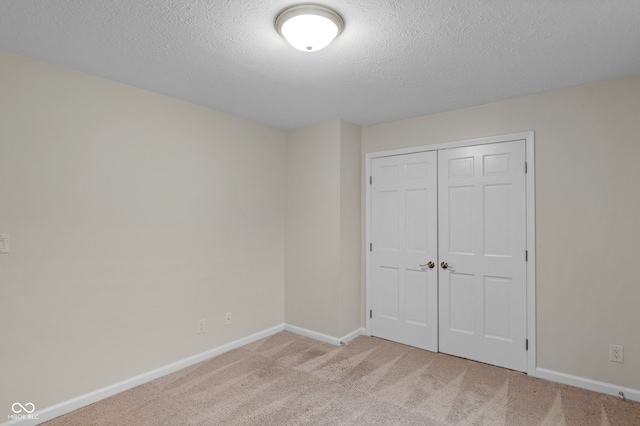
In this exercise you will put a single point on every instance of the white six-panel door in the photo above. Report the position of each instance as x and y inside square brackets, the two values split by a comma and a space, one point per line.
[466, 207]
[404, 227]
[482, 239]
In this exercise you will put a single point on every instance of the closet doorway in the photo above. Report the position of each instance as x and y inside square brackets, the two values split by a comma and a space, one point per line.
[449, 265]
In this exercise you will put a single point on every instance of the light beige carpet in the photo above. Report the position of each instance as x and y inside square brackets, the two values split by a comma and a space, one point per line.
[291, 380]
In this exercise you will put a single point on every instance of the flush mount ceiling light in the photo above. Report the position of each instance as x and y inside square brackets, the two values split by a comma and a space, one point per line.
[309, 27]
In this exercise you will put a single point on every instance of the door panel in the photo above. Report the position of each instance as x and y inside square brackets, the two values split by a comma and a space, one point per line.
[416, 297]
[496, 318]
[464, 206]
[389, 291]
[389, 220]
[496, 201]
[460, 296]
[404, 232]
[461, 219]
[482, 225]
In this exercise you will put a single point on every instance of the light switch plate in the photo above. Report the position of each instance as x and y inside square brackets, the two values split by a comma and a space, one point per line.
[4, 243]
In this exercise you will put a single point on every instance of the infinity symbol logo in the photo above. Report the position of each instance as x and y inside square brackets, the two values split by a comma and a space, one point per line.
[27, 408]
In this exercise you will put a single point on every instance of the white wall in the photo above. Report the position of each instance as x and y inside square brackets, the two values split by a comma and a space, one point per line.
[322, 249]
[131, 216]
[587, 212]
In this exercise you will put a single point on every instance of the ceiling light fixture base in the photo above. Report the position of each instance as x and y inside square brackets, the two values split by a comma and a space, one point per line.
[309, 27]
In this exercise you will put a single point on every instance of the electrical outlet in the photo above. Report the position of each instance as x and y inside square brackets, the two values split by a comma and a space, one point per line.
[227, 318]
[4, 243]
[616, 353]
[201, 326]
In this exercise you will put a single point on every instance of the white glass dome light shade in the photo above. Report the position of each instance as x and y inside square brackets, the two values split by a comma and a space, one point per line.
[309, 28]
[309, 33]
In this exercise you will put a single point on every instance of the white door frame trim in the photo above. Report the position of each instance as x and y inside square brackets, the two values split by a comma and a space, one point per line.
[528, 137]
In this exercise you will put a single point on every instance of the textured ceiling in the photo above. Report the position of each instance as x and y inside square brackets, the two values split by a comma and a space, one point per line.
[394, 60]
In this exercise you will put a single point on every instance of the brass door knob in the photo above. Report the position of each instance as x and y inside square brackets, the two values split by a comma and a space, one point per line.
[429, 265]
[444, 265]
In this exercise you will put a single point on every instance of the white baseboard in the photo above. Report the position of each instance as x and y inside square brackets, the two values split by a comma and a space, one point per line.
[91, 397]
[355, 333]
[592, 385]
[324, 337]
[70, 405]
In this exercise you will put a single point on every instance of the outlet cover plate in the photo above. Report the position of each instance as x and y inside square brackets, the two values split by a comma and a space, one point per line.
[4, 243]
[616, 353]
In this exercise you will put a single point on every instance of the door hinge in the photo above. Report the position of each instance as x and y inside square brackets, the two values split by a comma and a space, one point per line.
[526, 255]
[370, 180]
[370, 246]
[370, 313]
[526, 166]
[526, 345]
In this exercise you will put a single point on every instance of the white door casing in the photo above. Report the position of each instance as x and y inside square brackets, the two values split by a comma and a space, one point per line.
[482, 238]
[404, 252]
[497, 338]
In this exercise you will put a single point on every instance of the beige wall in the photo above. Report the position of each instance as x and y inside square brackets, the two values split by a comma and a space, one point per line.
[322, 248]
[350, 248]
[312, 237]
[131, 216]
[587, 213]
